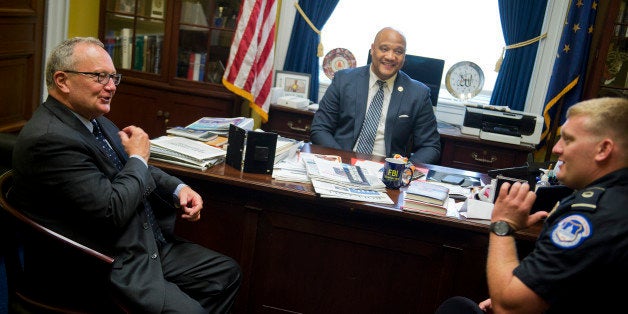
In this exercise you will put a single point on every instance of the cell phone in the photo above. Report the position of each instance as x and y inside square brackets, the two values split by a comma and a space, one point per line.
[500, 180]
[452, 179]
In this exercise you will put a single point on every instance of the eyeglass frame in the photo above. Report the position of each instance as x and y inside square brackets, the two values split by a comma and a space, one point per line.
[116, 77]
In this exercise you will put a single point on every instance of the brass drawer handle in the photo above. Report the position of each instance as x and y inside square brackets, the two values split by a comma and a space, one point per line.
[475, 157]
[294, 128]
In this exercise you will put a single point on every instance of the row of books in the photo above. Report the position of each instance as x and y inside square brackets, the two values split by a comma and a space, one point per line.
[142, 53]
[196, 66]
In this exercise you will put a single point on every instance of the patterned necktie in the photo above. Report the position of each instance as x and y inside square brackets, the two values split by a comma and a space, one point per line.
[113, 156]
[371, 122]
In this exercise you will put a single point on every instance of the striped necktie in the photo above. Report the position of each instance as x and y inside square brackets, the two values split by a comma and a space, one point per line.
[371, 122]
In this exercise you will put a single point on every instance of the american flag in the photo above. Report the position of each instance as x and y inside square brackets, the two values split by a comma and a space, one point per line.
[249, 71]
[570, 66]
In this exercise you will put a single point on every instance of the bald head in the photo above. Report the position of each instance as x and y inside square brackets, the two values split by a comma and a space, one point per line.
[388, 53]
[387, 32]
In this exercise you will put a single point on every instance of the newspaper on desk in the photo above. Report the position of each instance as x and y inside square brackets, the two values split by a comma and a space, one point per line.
[333, 179]
[341, 173]
[331, 190]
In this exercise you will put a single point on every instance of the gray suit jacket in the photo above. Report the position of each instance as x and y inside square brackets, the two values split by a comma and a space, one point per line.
[410, 116]
[63, 180]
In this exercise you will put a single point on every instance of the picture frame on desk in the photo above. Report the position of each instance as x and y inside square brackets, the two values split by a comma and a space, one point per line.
[293, 83]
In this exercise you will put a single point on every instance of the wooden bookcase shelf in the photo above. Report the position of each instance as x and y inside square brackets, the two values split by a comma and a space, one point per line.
[172, 55]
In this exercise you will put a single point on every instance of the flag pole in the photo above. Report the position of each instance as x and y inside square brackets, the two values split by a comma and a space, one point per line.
[555, 122]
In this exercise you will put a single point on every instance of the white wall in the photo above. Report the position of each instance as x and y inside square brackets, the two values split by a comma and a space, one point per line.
[56, 30]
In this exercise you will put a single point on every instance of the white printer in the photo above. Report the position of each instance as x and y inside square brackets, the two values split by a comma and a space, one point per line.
[502, 125]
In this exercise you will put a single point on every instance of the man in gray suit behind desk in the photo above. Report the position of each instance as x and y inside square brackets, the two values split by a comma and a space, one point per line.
[102, 193]
[409, 114]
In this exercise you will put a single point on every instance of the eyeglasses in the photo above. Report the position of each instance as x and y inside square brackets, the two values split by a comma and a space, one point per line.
[101, 77]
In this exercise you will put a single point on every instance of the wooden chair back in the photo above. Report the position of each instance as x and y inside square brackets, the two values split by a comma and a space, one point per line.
[28, 292]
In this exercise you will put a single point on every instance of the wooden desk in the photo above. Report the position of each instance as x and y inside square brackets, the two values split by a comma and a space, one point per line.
[303, 254]
[457, 150]
[469, 152]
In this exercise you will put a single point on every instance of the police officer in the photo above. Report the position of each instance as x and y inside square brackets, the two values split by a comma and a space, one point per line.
[580, 261]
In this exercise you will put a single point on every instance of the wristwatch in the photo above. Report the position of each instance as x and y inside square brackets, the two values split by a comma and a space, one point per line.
[501, 228]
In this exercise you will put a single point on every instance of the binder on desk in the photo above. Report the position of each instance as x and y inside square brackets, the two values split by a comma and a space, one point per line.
[251, 151]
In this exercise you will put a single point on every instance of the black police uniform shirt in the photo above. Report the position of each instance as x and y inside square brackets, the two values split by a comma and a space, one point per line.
[580, 260]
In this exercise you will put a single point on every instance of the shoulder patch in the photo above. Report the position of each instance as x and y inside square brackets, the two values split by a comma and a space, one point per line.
[587, 199]
[571, 231]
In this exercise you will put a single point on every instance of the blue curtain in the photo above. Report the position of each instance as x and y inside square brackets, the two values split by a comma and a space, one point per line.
[301, 55]
[521, 20]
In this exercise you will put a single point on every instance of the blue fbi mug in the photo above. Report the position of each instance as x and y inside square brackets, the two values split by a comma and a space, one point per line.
[397, 173]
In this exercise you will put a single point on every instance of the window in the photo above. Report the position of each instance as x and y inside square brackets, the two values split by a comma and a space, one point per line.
[453, 30]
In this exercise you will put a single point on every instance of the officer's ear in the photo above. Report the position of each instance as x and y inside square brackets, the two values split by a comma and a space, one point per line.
[604, 149]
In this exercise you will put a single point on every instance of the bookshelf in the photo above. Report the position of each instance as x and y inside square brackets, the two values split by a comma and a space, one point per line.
[171, 54]
[607, 73]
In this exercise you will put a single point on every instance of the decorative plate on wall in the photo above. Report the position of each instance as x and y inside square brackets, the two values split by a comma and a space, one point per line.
[336, 60]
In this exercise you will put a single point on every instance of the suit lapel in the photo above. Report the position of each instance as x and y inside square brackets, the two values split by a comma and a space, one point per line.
[67, 117]
[362, 93]
[396, 100]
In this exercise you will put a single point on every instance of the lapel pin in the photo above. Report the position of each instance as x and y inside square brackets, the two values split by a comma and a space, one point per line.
[400, 88]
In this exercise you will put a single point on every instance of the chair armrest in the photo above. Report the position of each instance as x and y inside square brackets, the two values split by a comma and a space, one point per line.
[5, 181]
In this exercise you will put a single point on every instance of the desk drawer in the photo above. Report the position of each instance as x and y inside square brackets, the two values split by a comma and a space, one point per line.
[480, 157]
[292, 123]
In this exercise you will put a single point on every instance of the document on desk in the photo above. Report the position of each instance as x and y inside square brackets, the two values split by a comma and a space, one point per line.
[476, 209]
[185, 152]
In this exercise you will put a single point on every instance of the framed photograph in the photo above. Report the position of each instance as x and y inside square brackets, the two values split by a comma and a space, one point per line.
[293, 83]
[125, 6]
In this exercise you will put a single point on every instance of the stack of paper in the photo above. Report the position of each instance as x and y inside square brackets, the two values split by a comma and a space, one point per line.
[291, 169]
[185, 152]
[286, 148]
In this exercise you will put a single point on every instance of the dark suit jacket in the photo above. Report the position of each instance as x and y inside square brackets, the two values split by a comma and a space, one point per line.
[410, 116]
[64, 181]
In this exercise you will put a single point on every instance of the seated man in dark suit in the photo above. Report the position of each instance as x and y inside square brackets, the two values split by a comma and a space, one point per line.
[98, 189]
[401, 113]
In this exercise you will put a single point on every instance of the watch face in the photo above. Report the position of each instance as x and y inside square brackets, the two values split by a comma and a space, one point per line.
[501, 228]
[464, 80]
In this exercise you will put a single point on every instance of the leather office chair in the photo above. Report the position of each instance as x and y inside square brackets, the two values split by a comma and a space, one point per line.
[84, 291]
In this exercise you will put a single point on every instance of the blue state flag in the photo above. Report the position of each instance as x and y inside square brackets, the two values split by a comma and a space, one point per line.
[570, 66]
